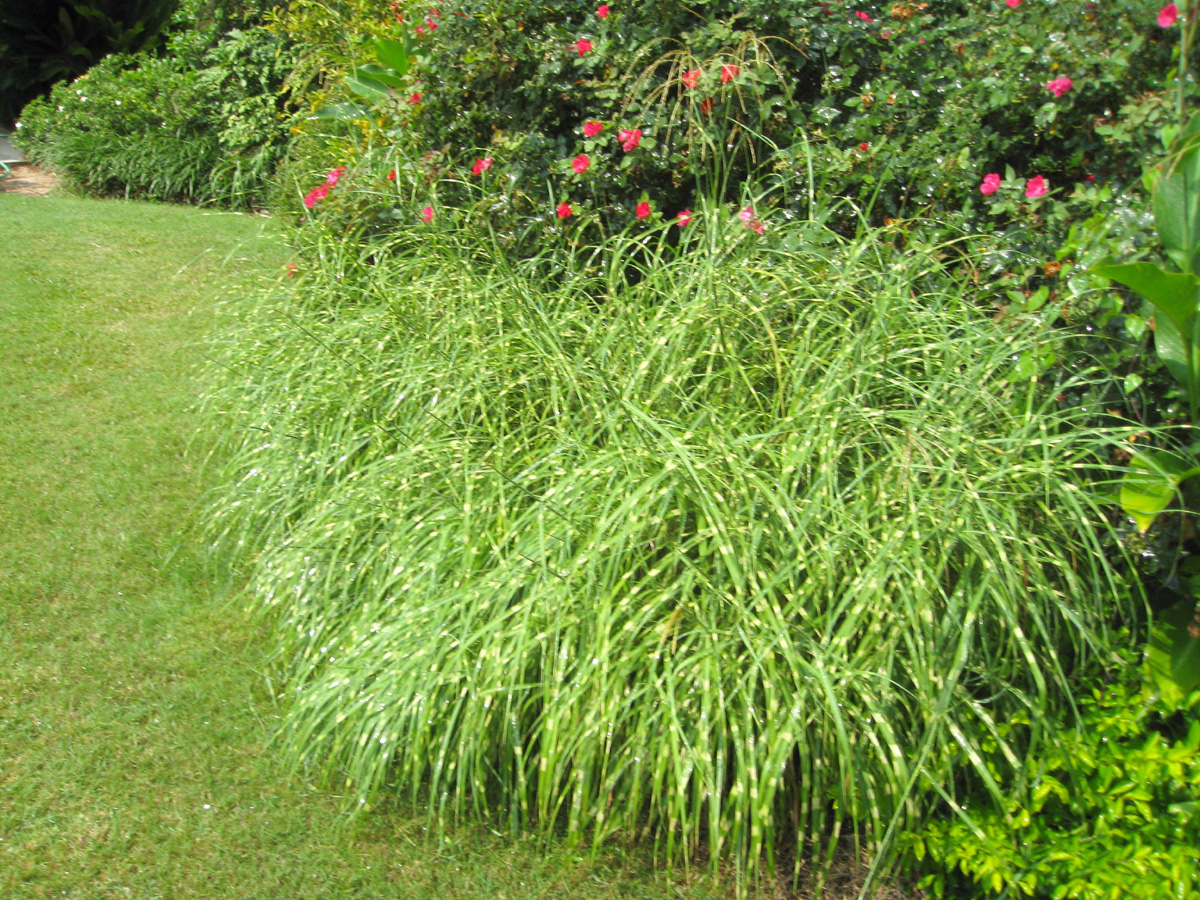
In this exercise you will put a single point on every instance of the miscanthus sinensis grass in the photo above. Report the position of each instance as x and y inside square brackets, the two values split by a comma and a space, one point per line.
[765, 543]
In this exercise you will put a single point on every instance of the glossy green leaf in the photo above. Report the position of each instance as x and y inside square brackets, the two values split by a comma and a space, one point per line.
[1173, 293]
[1173, 654]
[393, 54]
[1169, 345]
[1177, 334]
[340, 111]
[1177, 201]
[372, 72]
[368, 88]
[1149, 486]
[1038, 299]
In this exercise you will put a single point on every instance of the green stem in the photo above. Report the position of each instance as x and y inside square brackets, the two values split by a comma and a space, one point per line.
[1187, 35]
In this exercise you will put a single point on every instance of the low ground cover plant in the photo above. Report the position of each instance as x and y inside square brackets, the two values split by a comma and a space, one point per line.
[1112, 812]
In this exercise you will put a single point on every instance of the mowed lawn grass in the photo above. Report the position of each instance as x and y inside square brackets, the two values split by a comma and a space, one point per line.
[135, 697]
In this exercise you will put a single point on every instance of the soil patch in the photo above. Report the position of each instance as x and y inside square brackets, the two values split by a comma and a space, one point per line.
[26, 179]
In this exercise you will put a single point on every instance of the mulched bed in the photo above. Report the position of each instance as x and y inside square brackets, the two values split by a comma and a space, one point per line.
[27, 179]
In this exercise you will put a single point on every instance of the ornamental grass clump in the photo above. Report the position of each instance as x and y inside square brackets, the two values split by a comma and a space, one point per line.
[728, 558]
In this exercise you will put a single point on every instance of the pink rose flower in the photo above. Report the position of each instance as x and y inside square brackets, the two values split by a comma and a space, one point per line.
[481, 165]
[728, 73]
[591, 129]
[1059, 86]
[1036, 187]
[580, 163]
[691, 79]
[629, 139]
[1168, 15]
[991, 184]
[602, 12]
[684, 217]
[427, 214]
[864, 17]
[583, 45]
[642, 210]
[1012, 4]
[747, 215]
[564, 210]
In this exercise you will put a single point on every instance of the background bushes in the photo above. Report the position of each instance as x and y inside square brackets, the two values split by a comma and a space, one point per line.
[207, 122]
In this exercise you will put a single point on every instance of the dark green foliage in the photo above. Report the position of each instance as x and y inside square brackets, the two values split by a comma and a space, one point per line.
[199, 25]
[1112, 813]
[45, 41]
[166, 129]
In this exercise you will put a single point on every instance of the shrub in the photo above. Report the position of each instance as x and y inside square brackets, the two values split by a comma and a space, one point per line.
[169, 130]
[1112, 812]
[905, 108]
[729, 554]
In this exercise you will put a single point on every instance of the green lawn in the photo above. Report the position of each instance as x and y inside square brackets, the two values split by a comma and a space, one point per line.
[135, 706]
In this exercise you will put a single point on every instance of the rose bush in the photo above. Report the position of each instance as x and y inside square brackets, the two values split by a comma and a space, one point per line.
[940, 93]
